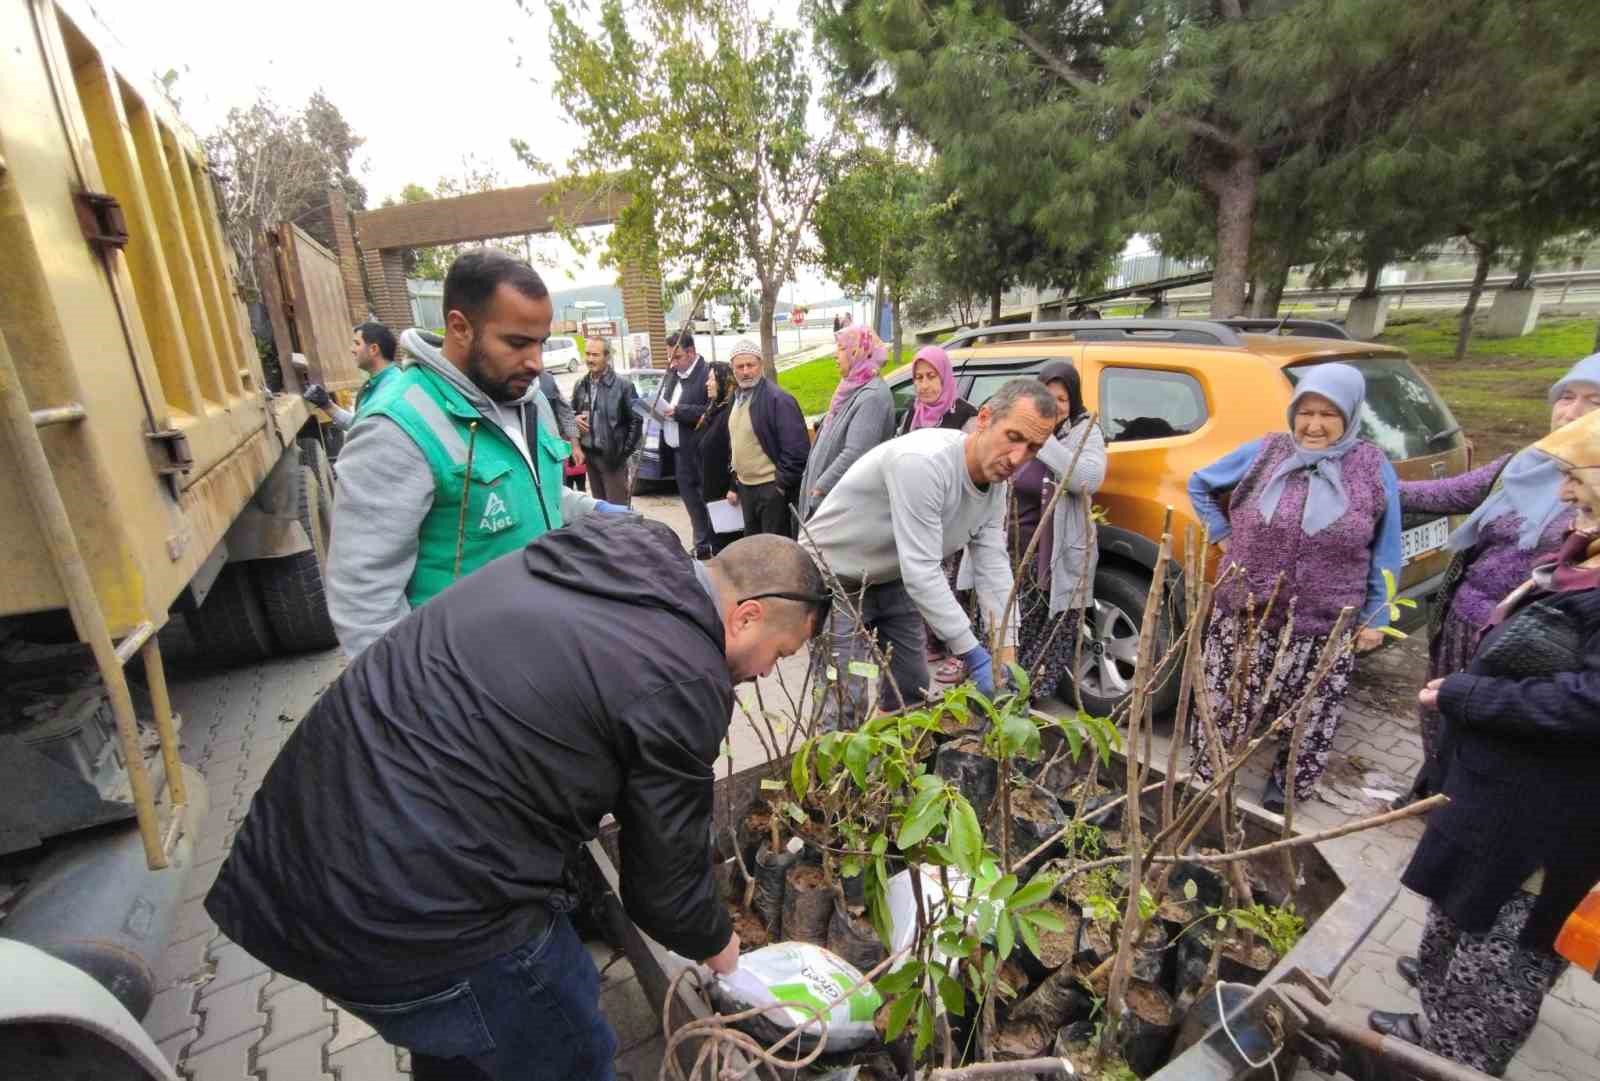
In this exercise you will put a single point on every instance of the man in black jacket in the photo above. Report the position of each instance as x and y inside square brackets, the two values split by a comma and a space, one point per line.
[684, 401]
[608, 427]
[768, 446]
[405, 853]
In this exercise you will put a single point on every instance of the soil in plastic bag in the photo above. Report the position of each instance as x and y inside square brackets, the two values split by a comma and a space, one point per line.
[807, 904]
[854, 938]
[770, 869]
[1059, 1000]
[1149, 1023]
[1055, 947]
[975, 775]
[1035, 817]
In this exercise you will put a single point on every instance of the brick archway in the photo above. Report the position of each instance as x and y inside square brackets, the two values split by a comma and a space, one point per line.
[382, 235]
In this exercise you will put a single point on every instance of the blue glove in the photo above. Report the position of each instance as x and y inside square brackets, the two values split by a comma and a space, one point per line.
[980, 669]
[610, 508]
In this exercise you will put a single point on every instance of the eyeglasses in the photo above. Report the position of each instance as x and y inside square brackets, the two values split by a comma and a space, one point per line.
[821, 603]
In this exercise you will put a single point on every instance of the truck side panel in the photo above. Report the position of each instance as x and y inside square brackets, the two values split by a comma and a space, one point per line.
[151, 339]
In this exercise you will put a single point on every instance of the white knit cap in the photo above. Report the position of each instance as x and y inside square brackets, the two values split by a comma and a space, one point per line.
[745, 345]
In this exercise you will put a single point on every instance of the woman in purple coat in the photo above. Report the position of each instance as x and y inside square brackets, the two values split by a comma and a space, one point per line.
[1318, 507]
[1517, 521]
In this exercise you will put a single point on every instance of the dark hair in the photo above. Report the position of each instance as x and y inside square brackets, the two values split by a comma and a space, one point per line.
[724, 372]
[1064, 372]
[1002, 401]
[475, 275]
[379, 335]
[682, 337]
[765, 564]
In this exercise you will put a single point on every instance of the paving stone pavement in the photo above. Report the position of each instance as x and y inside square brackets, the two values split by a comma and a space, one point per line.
[221, 1016]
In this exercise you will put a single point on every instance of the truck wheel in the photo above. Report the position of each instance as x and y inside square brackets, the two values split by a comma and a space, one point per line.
[231, 627]
[316, 459]
[1111, 643]
[292, 590]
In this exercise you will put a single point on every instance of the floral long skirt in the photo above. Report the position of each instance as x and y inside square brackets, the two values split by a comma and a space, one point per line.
[1481, 993]
[1262, 701]
[1448, 653]
[1046, 643]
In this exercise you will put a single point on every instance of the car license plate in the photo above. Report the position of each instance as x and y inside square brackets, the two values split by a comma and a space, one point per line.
[1423, 539]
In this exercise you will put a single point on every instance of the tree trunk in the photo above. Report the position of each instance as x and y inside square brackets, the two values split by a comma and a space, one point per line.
[1526, 263]
[1485, 257]
[1374, 272]
[899, 331]
[769, 335]
[1235, 190]
[877, 305]
[994, 305]
[1268, 289]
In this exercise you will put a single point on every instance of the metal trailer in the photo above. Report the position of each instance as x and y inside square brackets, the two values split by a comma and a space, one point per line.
[1292, 1002]
[146, 468]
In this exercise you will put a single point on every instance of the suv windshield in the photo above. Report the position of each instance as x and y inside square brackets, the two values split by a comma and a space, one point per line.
[1402, 414]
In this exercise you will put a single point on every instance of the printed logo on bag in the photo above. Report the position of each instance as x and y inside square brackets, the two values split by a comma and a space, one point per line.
[496, 515]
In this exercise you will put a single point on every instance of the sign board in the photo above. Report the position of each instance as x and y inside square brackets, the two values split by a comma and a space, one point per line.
[797, 316]
[600, 328]
[637, 352]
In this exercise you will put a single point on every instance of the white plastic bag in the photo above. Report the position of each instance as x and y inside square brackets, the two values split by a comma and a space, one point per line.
[788, 976]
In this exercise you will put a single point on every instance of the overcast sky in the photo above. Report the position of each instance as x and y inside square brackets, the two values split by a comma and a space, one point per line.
[426, 84]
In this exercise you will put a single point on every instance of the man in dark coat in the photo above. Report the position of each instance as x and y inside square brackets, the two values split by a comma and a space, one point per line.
[405, 854]
[768, 446]
[684, 401]
[609, 428]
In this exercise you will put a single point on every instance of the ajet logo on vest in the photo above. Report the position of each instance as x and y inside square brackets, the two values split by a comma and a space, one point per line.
[496, 515]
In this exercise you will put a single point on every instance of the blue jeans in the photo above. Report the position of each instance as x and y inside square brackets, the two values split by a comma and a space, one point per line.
[530, 1014]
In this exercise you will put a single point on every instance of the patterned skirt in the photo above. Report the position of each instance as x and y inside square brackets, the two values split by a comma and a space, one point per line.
[1046, 643]
[1262, 700]
[1449, 652]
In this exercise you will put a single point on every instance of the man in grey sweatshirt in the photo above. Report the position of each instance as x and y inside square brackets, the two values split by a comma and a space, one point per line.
[388, 485]
[943, 490]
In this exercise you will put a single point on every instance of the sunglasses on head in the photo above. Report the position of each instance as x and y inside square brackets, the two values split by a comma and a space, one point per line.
[821, 603]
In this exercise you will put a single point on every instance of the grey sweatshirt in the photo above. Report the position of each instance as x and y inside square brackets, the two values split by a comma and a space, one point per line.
[385, 489]
[899, 511]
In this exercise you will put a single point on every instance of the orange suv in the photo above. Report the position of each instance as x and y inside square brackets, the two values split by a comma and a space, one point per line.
[1174, 396]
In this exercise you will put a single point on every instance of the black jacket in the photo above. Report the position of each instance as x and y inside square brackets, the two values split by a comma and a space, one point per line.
[614, 427]
[955, 419]
[781, 430]
[1520, 761]
[420, 816]
[566, 419]
[692, 404]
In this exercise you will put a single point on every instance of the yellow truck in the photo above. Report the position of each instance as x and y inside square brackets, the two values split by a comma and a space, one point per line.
[146, 468]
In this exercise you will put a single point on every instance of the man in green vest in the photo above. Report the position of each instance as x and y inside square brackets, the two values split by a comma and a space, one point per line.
[456, 460]
[372, 348]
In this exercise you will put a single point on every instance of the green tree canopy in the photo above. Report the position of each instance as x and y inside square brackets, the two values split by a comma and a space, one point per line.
[695, 110]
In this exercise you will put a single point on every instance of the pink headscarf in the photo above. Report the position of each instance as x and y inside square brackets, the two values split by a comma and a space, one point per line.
[929, 415]
[866, 354]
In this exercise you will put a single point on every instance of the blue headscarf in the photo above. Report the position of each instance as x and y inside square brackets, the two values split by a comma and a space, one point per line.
[1326, 500]
[1530, 483]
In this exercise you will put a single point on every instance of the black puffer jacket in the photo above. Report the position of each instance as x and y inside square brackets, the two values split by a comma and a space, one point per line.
[1519, 761]
[419, 818]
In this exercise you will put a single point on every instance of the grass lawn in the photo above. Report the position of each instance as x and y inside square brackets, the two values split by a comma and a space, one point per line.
[1498, 391]
[812, 383]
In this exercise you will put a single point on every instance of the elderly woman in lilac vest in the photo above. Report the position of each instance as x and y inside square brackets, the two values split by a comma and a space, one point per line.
[1318, 507]
[1517, 522]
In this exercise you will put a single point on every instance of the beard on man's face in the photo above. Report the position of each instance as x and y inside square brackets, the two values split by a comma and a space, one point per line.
[499, 390]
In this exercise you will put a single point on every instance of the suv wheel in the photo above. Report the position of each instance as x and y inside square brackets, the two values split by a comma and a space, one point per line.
[1111, 644]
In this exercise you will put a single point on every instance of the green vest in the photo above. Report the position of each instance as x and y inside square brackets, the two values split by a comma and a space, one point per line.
[369, 390]
[506, 504]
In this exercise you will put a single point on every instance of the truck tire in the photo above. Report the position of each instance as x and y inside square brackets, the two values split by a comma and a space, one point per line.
[231, 627]
[1110, 640]
[292, 590]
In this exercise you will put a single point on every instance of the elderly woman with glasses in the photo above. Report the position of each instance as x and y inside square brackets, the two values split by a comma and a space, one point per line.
[1518, 846]
[1516, 520]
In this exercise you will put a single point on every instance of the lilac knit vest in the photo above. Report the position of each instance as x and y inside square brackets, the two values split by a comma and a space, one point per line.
[1325, 572]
